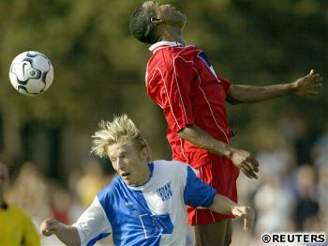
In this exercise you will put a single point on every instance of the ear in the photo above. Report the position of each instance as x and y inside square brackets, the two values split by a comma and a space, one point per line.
[156, 20]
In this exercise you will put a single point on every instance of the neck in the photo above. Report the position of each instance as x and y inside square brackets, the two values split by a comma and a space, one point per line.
[172, 34]
[145, 176]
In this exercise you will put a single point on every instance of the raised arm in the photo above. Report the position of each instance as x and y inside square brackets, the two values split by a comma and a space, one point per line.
[240, 158]
[307, 85]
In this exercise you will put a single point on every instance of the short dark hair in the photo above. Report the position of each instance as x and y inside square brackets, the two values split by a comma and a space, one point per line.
[141, 27]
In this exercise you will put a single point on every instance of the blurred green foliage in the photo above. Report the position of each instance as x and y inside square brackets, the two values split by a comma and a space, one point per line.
[99, 67]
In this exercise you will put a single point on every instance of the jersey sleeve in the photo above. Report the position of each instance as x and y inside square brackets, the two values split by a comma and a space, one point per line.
[196, 192]
[93, 224]
[225, 84]
[177, 92]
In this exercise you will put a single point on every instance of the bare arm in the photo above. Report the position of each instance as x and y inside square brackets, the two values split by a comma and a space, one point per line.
[307, 85]
[240, 158]
[224, 205]
[65, 233]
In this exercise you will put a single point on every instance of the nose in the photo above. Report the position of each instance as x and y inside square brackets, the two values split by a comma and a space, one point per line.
[120, 164]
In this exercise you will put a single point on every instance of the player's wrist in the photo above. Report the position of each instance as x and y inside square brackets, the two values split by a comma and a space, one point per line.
[231, 207]
[292, 87]
[228, 152]
[60, 228]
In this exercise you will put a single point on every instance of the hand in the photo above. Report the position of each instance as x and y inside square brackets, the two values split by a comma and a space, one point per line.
[246, 213]
[310, 84]
[245, 162]
[49, 227]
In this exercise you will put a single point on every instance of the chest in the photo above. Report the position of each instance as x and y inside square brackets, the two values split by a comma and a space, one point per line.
[200, 87]
[150, 213]
[159, 199]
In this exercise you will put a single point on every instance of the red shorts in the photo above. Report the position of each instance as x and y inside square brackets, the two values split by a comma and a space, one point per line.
[222, 175]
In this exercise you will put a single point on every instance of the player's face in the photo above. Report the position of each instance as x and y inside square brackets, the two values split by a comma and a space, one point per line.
[168, 13]
[129, 162]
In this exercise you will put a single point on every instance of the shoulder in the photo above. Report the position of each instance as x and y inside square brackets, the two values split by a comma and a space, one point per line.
[172, 167]
[167, 56]
[189, 50]
[18, 212]
[15, 209]
[187, 54]
[110, 190]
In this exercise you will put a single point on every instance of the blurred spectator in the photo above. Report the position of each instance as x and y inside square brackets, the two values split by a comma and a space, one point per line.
[91, 181]
[30, 192]
[60, 202]
[273, 205]
[272, 199]
[323, 194]
[320, 149]
[294, 126]
[307, 207]
[16, 228]
[290, 195]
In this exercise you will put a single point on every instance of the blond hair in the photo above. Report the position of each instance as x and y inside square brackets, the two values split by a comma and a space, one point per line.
[111, 132]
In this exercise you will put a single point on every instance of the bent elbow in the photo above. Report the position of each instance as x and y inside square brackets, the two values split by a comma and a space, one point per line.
[181, 133]
[233, 101]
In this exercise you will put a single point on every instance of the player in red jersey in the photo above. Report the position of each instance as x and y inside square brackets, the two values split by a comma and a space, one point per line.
[181, 80]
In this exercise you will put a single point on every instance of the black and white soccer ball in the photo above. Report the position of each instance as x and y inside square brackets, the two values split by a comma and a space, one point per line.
[31, 73]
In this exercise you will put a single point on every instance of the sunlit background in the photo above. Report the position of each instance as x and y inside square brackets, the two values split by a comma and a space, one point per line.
[99, 72]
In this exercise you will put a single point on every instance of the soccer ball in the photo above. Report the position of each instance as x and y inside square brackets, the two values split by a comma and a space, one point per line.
[31, 73]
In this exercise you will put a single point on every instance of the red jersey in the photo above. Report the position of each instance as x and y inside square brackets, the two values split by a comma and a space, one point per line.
[183, 83]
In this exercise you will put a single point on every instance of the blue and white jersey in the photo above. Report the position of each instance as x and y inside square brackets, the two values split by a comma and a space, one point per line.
[151, 214]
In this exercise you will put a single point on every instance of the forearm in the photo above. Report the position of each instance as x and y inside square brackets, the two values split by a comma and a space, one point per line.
[240, 158]
[251, 94]
[222, 204]
[68, 235]
[203, 140]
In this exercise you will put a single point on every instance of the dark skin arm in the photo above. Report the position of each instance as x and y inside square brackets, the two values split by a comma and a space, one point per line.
[240, 158]
[310, 84]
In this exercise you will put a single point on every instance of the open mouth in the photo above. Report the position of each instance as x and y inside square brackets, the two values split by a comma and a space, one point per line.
[125, 175]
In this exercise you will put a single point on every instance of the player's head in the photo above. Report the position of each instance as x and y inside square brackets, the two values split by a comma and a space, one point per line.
[150, 21]
[4, 176]
[125, 146]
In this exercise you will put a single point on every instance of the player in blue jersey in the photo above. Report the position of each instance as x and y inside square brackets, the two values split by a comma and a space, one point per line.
[145, 203]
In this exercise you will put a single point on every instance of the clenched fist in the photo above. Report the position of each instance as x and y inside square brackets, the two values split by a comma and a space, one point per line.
[49, 227]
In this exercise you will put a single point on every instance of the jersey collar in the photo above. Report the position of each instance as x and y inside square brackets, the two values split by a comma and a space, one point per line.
[164, 44]
[148, 182]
